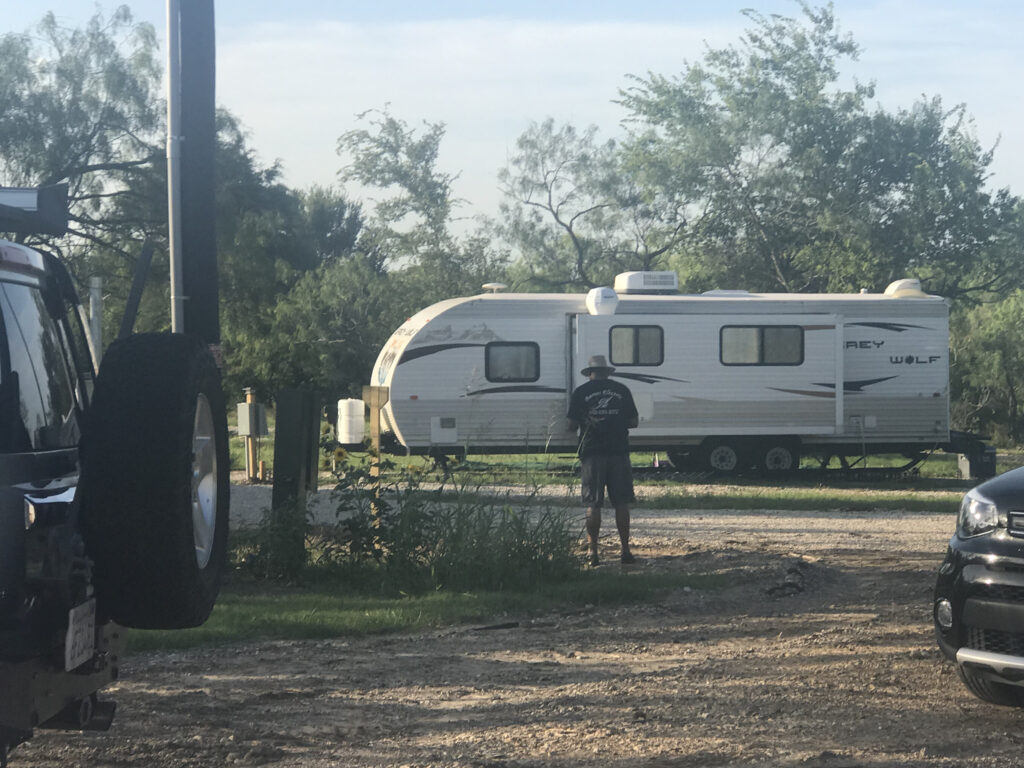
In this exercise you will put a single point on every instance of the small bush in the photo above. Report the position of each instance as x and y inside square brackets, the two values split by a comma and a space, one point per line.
[393, 536]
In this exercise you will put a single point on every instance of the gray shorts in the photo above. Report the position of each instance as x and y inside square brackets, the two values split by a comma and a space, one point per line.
[612, 472]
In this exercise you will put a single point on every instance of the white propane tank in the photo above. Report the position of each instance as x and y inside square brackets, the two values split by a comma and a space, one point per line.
[351, 421]
[602, 301]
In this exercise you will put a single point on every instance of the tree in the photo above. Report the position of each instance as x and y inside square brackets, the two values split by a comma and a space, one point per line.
[326, 332]
[988, 368]
[574, 213]
[800, 186]
[273, 244]
[334, 223]
[412, 228]
[81, 107]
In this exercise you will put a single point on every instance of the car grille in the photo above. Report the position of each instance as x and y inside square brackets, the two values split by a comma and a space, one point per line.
[1003, 592]
[995, 641]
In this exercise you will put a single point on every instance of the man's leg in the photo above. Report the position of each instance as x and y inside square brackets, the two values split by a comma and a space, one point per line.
[622, 523]
[620, 490]
[592, 481]
[594, 531]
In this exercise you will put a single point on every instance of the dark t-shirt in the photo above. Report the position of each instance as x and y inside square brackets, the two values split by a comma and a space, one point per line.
[604, 409]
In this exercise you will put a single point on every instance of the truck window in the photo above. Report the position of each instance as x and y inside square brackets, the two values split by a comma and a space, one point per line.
[34, 375]
[761, 345]
[636, 345]
[512, 361]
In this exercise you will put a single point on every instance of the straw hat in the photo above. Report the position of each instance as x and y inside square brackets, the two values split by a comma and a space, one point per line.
[597, 363]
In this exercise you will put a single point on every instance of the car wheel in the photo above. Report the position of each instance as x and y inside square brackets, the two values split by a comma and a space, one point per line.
[155, 480]
[723, 457]
[779, 457]
[991, 691]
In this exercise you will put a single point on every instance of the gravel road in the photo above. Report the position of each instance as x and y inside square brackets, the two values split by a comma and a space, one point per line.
[820, 654]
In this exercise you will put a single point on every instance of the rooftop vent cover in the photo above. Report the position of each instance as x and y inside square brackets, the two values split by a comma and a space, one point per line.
[647, 282]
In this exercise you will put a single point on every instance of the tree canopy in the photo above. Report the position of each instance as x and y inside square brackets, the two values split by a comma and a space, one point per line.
[758, 168]
[82, 107]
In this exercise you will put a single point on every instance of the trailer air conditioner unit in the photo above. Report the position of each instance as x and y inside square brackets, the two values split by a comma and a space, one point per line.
[647, 283]
[907, 288]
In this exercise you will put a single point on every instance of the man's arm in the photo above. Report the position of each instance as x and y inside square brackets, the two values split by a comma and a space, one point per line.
[575, 415]
[633, 414]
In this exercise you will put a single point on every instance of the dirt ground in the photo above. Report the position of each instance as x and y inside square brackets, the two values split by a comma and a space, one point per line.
[821, 654]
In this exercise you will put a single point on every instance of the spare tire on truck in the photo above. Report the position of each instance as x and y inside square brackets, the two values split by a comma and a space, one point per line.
[154, 484]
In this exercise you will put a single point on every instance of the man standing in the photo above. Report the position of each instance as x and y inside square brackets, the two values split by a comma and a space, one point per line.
[603, 411]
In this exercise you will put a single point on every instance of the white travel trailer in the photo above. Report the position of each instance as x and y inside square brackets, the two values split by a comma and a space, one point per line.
[727, 379]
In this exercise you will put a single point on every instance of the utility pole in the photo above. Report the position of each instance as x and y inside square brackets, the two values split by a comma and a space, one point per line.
[191, 144]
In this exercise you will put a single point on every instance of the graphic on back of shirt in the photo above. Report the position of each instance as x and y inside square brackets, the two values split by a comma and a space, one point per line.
[603, 409]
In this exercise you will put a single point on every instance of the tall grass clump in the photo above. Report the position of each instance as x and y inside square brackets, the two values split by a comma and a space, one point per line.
[394, 536]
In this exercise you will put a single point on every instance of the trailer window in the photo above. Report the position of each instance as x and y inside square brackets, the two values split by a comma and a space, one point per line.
[762, 345]
[636, 345]
[512, 361]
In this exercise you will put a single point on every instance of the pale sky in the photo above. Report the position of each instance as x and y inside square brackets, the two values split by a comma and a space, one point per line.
[298, 72]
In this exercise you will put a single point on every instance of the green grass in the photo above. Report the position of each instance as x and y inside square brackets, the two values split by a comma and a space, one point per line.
[248, 612]
[757, 496]
[547, 469]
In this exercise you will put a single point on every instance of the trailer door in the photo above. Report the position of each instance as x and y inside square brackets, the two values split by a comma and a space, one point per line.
[699, 375]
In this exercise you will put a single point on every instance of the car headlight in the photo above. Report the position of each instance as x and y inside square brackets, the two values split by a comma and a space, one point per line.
[978, 515]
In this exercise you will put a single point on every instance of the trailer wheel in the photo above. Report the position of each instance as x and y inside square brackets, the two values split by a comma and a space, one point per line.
[779, 457]
[155, 482]
[723, 456]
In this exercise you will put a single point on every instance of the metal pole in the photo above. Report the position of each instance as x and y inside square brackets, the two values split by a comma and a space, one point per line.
[96, 313]
[174, 163]
[250, 440]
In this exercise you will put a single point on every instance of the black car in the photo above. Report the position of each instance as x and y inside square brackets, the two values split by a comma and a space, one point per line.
[979, 596]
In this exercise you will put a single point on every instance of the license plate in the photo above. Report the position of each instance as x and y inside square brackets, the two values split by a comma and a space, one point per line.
[80, 643]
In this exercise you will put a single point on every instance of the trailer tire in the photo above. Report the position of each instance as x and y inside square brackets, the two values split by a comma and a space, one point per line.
[155, 482]
[780, 456]
[723, 456]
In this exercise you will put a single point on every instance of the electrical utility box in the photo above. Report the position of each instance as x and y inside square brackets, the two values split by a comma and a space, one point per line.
[252, 420]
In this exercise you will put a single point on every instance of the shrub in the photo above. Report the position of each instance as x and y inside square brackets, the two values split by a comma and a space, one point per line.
[392, 535]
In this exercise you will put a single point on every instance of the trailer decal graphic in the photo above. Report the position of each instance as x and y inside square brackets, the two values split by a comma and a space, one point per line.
[519, 389]
[805, 392]
[647, 378]
[413, 354]
[849, 387]
[896, 327]
[854, 386]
